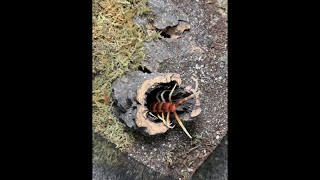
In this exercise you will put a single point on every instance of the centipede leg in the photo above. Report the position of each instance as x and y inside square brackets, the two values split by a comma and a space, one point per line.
[157, 96]
[168, 121]
[170, 100]
[168, 124]
[162, 98]
[150, 113]
[162, 118]
[162, 115]
[158, 115]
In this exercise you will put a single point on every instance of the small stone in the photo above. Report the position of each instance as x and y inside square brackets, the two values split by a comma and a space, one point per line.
[190, 169]
[217, 137]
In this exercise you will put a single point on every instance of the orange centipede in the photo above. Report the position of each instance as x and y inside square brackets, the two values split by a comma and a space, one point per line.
[161, 106]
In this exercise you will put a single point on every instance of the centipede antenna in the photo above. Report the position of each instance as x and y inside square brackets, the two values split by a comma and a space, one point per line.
[186, 98]
[191, 96]
[180, 123]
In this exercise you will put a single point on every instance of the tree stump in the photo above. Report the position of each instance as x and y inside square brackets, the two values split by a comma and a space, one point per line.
[134, 93]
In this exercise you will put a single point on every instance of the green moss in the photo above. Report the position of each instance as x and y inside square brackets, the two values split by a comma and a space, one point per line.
[117, 49]
[104, 152]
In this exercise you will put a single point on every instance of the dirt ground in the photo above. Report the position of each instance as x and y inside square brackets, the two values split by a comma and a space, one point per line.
[200, 51]
[213, 168]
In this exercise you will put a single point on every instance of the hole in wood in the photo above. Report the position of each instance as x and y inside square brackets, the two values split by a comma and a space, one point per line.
[178, 93]
[144, 69]
[165, 35]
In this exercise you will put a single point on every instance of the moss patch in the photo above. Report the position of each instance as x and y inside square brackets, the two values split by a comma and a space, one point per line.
[117, 49]
[104, 152]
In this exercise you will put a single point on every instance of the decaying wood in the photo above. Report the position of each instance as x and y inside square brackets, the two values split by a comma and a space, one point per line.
[130, 100]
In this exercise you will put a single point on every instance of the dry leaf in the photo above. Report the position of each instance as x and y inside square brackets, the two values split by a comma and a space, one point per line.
[107, 100]
[181, 28]
[197, 49]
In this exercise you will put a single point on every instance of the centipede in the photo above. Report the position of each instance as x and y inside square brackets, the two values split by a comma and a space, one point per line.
[161, 106]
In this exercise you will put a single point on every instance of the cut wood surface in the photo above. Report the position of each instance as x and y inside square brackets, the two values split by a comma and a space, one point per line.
[131, 105]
